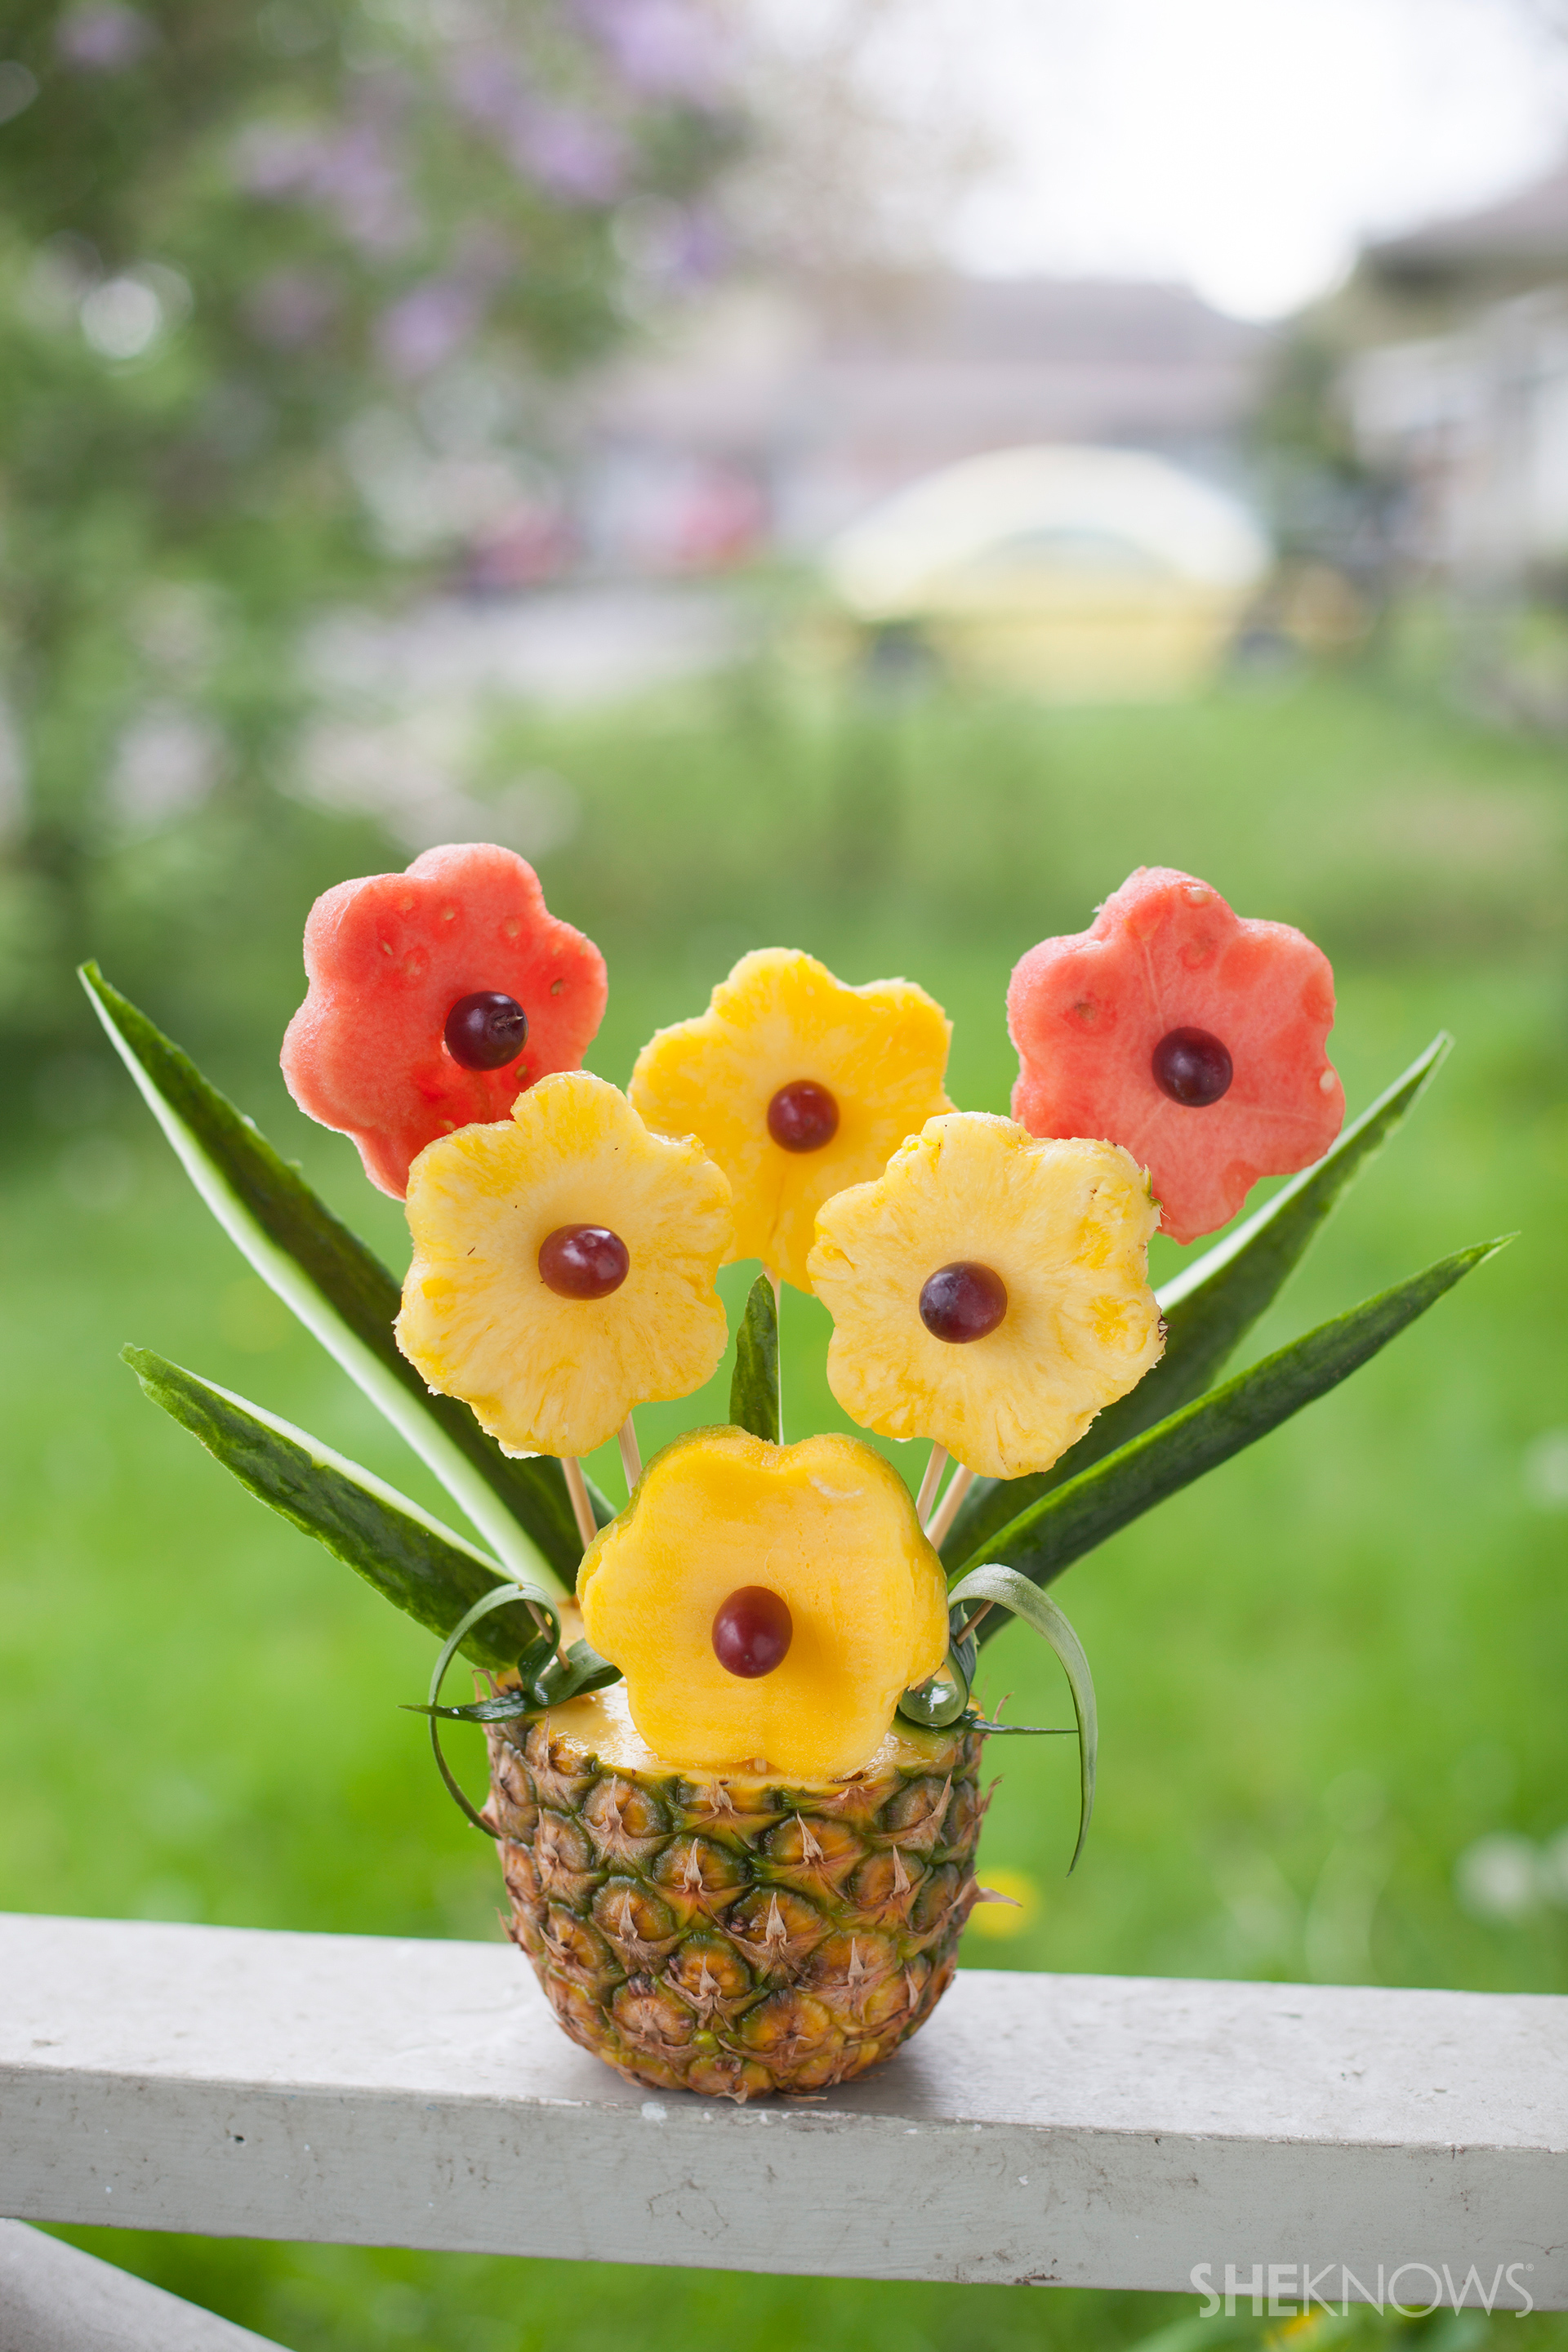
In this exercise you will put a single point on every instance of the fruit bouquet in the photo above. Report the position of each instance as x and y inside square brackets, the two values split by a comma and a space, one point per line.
[734, 1744]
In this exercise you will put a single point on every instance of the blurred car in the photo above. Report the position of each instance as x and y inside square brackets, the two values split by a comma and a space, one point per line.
[1079, 574]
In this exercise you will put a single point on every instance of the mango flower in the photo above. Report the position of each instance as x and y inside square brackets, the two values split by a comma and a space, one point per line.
[767, 1605]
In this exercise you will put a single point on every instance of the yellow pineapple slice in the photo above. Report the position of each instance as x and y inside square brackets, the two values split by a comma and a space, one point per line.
[797, 1086]
[990, 1291]
[767, 1605]
[563, 1267]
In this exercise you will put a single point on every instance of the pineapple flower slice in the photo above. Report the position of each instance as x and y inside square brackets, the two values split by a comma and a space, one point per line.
[563, 1267]
[797, 1085]
[767, 1605]
[1192, 1036]
[435, 996]
[990, 1291]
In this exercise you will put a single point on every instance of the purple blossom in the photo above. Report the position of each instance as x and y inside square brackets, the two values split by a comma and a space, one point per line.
[288, 309]
[487, 85]
[102, 37]
[360, 180]
[278, 159]
[353, 171]
[700, 250]
[667, 49]
[570, 154]
[429, 324]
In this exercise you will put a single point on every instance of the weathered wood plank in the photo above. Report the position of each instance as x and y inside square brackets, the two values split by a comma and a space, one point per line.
[56, 2299]
[1095, 2131]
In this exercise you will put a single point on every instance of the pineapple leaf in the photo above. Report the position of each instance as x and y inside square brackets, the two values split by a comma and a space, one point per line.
[754, 1388]
[996, 1586]
[422, 1567]
[459, 1637]
[505, 1707]
[1060, 1527]
[1208, 1307]
[342, 1293]
[582, 1670]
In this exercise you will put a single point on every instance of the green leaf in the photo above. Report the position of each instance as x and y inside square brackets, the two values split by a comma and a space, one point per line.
[1209, 1308]
[754, 1388]
[1059, 1528]
[583, 1670]
[506, 1706]
[1024, 1730]
[341, 1291]
[1003, 1587]
[422, 1568]
[456, 1639]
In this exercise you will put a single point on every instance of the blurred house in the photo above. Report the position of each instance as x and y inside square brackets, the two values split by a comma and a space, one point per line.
[1080, 573]
[1460, 393]
[778, 416]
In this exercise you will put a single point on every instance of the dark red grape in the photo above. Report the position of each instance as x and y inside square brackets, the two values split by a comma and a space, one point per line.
[752, 1633]
[1192, 1067]
[803, 1116]
[962, 1301]
[485, 1030]
[584, 1261]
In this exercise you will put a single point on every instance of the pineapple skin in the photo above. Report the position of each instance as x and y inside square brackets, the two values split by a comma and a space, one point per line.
[734, 1935]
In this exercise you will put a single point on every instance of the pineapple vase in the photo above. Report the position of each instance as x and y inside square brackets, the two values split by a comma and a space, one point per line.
[733, 1936]
[733, 1725]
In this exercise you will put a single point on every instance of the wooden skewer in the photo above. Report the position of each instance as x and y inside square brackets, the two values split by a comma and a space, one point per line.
[631, 1460]
[931, 1481]
[777, 1283]
[942, 1519]
[581, 1508]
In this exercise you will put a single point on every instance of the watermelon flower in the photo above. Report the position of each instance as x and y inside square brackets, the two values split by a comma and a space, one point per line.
[1192, 1036]
[563, 1267]
[767, 1605]
[797, 1085]
[990, 1291]
[436, 997]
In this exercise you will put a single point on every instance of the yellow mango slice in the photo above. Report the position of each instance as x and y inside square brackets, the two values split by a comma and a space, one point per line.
[829, 1527]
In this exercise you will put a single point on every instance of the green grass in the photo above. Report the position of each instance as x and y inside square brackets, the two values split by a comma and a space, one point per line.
[1323, 1674]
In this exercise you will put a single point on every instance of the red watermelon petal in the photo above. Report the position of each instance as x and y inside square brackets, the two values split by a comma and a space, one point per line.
[388, 956]
[1165, 952]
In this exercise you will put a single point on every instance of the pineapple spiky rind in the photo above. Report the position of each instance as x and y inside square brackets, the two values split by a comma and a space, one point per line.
[733, 1936]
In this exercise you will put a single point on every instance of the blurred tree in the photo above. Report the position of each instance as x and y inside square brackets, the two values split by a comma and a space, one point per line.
[282, 287]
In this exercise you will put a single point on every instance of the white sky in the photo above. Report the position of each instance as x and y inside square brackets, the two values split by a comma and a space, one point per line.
[1245, 145]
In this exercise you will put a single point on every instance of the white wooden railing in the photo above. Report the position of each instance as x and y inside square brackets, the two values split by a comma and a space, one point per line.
[1082, 2131]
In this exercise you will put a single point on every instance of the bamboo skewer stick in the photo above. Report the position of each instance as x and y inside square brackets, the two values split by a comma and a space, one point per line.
[942, 1517]
[931, 1481]
[778, 1339]
[581, 1508]
[631, 1460]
